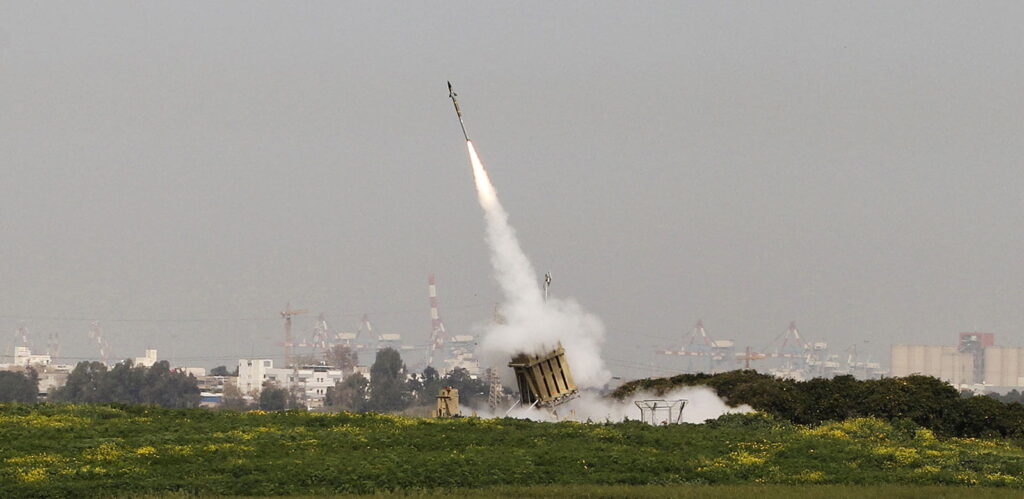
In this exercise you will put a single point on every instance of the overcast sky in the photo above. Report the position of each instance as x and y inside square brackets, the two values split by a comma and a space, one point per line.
[182, 170]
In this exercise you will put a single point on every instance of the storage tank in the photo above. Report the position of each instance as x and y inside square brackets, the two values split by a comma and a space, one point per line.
[1003, 366]
[943, 362]
[899, 360]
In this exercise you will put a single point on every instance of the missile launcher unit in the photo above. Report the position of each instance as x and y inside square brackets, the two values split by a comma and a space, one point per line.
[544, 380]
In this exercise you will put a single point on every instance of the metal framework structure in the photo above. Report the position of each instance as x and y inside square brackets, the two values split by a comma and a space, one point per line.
[661, 412]
[720, 355]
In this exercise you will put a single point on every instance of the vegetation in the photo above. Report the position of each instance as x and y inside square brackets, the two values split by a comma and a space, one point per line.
[80, 450]
[387, 382]
[341, 356]
[125, 383]
[223, 371]
[19, 387]
[926, 401]
[349, 395]
[392, 390]
[691, 491]
[1009, 397]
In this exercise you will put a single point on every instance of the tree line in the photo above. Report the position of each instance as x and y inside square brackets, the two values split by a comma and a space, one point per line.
[390, 388]
[925, 400]
[94, 382]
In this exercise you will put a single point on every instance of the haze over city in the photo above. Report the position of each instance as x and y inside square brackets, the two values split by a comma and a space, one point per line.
[180, 172]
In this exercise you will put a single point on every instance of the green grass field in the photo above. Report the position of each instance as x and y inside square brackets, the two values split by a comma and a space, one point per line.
[725, 492]
[65, 451]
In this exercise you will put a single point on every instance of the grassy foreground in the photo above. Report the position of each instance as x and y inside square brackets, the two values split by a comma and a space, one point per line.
[54, 450]
[686, 491]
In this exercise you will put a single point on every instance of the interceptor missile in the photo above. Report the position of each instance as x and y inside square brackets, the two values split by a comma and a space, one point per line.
[453, 95]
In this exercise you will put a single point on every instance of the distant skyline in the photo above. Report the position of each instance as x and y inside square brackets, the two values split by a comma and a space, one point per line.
[181, 171]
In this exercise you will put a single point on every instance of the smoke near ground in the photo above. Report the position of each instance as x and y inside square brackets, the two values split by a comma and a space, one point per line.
[702, 404]
[532, 324]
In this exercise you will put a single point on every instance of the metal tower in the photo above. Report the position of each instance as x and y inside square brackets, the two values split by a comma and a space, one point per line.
[438, 333]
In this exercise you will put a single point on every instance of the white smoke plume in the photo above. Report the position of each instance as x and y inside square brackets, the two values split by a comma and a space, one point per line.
[532, 324]
[535, 325]
[702, 404]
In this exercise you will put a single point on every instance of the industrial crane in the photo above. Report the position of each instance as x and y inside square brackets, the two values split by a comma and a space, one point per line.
[288, 313]
[698, 343]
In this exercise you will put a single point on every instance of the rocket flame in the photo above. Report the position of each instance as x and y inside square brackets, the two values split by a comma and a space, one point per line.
[532, 325]
[484, 187]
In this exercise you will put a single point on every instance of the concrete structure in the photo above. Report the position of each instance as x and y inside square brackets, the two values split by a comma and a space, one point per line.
[460, 352]
[23, 357]
[943, 362]
[447, 403]
[311, 382]
[1004, 366]
[53, 377]
[147, 360]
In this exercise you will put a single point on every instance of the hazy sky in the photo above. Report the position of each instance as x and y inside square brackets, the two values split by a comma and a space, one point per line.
[181, 170]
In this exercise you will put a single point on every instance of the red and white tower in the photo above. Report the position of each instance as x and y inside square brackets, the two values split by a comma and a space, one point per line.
[438, 334]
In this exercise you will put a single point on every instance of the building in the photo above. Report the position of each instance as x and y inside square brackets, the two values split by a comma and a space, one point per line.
[311, 382]
[974, 361]
[53, 377]
[147, 360]
[461, 353]
[23, 357]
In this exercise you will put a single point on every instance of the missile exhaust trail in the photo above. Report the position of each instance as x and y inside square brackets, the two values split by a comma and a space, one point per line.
[533, 324]
[453, 95]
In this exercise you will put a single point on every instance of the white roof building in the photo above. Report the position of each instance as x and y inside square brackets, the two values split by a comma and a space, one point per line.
[311, 381]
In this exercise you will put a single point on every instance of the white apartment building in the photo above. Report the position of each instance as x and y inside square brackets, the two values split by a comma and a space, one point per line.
[311, 381]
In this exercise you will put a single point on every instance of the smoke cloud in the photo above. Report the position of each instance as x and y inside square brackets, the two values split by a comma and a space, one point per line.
[702, 404]
[535, 325]
[532, 324]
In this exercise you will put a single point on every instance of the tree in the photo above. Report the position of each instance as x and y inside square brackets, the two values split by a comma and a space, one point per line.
[387, 382]
[273, 398]
[233, 398]
[343, 357]
[426, 387]
[349, 395]
[83, 384]
[220, 371]
[125, 383]
[19, 387]
[169, 388]
[471, 390]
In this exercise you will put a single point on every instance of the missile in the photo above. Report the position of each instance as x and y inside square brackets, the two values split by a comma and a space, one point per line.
[453, 95]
